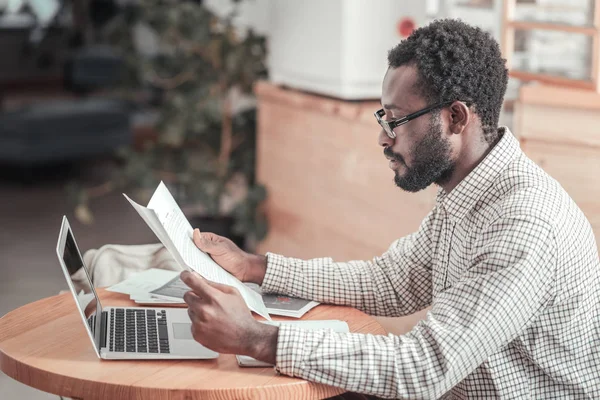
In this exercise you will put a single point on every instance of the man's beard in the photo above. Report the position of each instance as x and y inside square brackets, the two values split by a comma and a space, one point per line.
[431, 157]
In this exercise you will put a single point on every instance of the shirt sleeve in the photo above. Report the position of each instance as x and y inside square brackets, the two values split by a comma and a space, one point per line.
[395, 284]
[508, 284]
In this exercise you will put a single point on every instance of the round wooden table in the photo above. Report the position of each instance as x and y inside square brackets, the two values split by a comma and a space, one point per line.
[44, 345]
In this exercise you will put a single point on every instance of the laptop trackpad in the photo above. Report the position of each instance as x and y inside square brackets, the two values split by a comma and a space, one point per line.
[182, 331]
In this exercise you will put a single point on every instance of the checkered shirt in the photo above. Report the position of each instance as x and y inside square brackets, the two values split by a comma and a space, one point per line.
[509, 265]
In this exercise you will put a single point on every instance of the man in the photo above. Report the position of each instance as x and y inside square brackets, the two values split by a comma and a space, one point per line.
[506, 260]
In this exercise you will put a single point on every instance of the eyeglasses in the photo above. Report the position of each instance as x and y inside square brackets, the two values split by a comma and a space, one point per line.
[389, 126]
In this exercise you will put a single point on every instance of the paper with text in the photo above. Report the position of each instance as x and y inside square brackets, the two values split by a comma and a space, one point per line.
[169, 224]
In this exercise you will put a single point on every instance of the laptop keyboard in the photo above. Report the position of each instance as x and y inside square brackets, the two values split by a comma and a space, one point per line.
[138, 331]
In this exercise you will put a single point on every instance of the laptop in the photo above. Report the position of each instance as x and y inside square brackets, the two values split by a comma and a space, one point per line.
[127, 333]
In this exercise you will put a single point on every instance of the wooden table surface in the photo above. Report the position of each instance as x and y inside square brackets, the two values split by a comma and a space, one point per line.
[44, 345]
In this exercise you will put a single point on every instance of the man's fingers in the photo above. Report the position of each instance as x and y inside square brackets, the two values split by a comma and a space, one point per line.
[198, 284]
[220, 286]
[204, 240]
[201, 243]
[191, 298]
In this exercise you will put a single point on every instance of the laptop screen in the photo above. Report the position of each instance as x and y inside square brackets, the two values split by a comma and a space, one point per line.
[87, 300]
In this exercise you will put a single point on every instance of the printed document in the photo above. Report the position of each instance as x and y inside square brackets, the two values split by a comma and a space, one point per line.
[276, 304]
[169, 224]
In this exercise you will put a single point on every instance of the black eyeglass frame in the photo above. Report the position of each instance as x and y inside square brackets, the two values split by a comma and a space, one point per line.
[389, 126]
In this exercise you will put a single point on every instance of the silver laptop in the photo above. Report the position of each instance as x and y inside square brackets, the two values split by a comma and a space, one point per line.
[127, 333]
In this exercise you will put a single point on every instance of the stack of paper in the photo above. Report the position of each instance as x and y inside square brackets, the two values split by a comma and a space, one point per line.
[170, 226]
[139, 286]
[174, 290]
[158, 286]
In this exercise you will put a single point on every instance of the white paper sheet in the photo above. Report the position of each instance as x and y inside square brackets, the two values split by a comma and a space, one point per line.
[169, 224]
[144, 282]
[151, 299]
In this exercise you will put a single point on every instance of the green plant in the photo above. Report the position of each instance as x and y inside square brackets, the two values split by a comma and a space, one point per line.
[204, 146]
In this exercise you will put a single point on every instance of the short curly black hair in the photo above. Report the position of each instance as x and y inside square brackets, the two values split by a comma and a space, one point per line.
[457, 61]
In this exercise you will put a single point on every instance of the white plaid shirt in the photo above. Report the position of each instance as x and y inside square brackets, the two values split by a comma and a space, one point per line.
[508, 263]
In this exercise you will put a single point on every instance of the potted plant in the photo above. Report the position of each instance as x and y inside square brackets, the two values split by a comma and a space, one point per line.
[200, 77]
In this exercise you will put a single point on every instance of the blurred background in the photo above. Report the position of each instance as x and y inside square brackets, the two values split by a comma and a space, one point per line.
[258, 115]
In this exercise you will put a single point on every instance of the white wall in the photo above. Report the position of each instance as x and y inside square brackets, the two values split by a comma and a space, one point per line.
[252, 13]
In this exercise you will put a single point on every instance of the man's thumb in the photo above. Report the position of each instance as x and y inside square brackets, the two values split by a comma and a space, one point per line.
[200, 241]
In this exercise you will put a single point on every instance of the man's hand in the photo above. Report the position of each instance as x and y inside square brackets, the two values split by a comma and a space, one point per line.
[222, 322]
[244, 266]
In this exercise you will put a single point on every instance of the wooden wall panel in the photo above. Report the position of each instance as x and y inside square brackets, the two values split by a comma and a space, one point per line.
[577, 169]
[559, 129]
[559, 125]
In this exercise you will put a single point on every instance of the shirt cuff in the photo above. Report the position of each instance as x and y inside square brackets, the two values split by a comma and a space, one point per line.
[291, 342]
[276, 275]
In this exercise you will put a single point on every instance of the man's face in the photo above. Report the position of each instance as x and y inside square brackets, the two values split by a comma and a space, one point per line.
[421, 153]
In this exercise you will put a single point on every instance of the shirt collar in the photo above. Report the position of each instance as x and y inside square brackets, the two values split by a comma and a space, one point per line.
[465, 195]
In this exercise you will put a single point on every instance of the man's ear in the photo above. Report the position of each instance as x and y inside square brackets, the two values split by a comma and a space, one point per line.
[460, 116]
